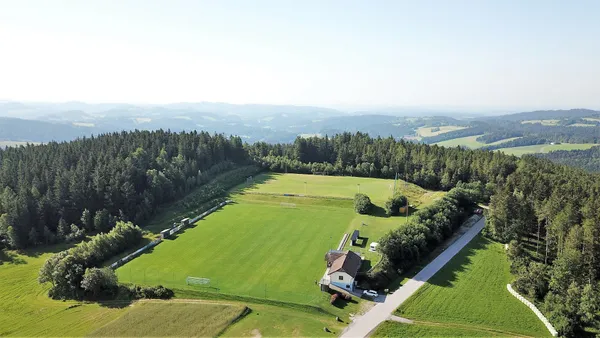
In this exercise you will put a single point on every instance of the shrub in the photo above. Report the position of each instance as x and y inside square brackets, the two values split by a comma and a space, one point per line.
[362, 203]
[393, 205]
[334, 297]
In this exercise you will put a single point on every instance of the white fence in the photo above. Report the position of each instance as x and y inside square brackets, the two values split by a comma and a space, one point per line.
[174, 230]
[534, 309]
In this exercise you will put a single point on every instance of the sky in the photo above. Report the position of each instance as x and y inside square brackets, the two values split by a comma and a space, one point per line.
[473, 54]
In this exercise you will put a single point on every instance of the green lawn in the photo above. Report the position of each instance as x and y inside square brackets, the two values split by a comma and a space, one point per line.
[255, 247]
[172, 319]
[545, 148]
[471, 290]
[379, 190]
[394, 329]
[470, 142]
[26, 310]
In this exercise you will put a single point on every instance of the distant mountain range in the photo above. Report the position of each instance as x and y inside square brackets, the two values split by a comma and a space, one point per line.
[44, 122]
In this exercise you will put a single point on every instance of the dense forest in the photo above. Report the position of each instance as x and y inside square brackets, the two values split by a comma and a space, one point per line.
[58, 191]
[549, 213]
[588, 159]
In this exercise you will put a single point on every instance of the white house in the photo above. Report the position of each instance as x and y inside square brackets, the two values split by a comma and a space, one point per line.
[342, 268]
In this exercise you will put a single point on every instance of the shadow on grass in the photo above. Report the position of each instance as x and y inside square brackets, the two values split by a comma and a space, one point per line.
[115, 304]
[341, 303]
[262, 178]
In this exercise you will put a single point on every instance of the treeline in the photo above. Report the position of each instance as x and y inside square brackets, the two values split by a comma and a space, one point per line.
[431, 167]
[498, 136]
[588, 159]
[405, 246]
[520, 142]
[550, 215]
[52, 191]
[66, 270]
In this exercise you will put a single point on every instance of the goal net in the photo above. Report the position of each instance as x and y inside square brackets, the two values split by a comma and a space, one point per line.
[288, 205]
[197, 281]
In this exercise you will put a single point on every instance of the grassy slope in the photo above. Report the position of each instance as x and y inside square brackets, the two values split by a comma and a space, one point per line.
[471, 290]
[162, 319]
[394, 329]
[248, 247]
[470, 142]
[426, 131]
[545, 148]
[26, 310]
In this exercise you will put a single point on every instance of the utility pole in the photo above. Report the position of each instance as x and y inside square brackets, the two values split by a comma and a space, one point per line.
[304, 188]
[358, 185]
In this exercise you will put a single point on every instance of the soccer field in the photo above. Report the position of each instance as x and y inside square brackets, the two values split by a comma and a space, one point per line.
[255, 247]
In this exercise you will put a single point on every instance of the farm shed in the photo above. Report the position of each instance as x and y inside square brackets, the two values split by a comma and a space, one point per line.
[342, 268]
[355, 236]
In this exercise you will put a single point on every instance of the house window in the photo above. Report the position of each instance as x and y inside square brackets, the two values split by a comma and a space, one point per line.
[347, 286]
[341, 277]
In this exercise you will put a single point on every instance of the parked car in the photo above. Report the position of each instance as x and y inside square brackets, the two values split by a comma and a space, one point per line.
[370, 294]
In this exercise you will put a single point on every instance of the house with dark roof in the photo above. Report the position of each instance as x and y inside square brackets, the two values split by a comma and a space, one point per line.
[342, 268]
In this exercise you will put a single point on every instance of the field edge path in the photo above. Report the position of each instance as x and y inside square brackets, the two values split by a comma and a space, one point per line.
[365, 324]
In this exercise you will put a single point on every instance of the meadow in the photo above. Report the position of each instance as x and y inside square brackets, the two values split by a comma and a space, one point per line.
[545, 148]
[172, 319]
[470, 142]
[395, 329]
[471, 291]
[426, 131]
[26, 309]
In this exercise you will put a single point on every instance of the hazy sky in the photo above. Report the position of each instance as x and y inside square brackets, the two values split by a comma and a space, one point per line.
[522, 53]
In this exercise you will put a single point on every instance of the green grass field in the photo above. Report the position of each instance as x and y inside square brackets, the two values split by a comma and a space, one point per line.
[379, 190]
[426, 131]
[172, 319]
[471, 291]
[545, 148]
[470, 142]
[394, 329]
[26, 310]
[256, 247]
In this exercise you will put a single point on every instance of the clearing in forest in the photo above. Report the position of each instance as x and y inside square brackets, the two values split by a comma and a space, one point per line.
[471, 291]
[427, 131]
[471, 142]
[266, 245]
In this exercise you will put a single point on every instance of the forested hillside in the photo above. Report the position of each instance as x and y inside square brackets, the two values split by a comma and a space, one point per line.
[58, 191]
[588, 159]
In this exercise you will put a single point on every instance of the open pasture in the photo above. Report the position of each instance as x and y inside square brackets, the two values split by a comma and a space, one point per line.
[427, 131]
[545, 148]
[470, 142]
[471, 290]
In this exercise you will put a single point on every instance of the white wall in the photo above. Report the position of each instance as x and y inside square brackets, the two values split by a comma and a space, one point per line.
[346, 279]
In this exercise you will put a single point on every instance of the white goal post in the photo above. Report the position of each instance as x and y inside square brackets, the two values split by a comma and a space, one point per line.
[288, 205]
[197, 281]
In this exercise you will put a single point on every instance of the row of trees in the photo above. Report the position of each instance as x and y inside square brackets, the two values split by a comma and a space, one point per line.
[49, 192]
[70, 271]
[406, 245]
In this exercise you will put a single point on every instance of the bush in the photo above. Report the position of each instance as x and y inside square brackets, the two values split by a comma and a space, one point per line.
[393, 205]
[334, 297]
[362, 204]
[150, 292]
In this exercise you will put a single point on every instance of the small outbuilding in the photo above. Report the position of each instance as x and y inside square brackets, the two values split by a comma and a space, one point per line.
[355, 236]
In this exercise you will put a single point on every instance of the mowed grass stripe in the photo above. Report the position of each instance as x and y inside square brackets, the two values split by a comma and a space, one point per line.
[162, 319]
[471, 290]
[247, 246]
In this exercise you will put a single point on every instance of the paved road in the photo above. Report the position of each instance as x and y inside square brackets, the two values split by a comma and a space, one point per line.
[364, 324]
